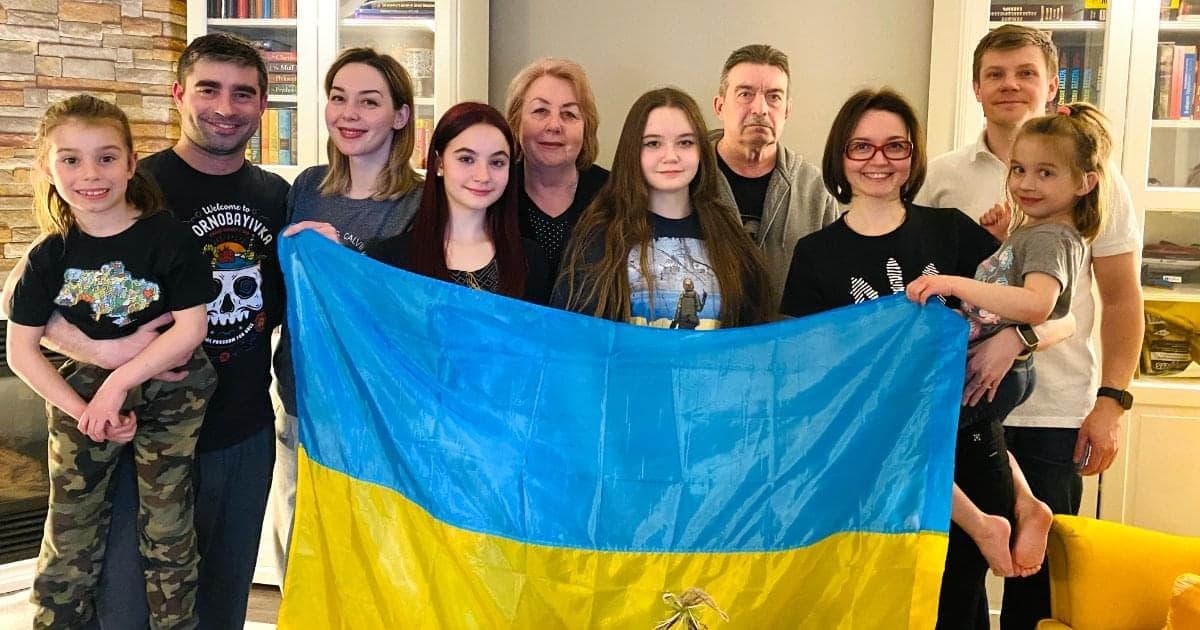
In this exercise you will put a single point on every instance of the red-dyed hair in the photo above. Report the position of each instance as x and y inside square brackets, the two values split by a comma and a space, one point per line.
[429, 225]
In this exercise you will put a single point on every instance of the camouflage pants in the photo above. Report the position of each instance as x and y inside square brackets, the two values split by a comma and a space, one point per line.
[169, 416]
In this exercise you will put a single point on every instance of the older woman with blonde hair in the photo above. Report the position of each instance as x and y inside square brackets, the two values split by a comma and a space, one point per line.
[551, 110]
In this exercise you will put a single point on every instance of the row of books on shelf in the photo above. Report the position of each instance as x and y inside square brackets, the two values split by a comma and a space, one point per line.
[1175, 86]
[1078, 75]
[281, 72]
[1184, 10]
[251, 8]
[1091, 11]
[404, 9]
[275, 140]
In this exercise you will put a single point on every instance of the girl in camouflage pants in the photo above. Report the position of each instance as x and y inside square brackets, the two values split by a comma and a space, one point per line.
[109, 262]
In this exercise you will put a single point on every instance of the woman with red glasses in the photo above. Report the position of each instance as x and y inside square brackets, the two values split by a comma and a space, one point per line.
[874, 164]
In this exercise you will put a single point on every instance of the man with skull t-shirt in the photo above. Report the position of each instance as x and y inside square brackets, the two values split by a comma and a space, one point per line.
[236, 218]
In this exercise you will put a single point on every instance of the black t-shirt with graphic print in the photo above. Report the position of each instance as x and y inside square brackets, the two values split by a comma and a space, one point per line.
[836, 266]
[235, 218]
[108, 286]
[686, 293]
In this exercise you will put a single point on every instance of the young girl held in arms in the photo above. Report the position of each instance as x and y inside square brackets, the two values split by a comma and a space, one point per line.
[1056, 182]
[110, 260]
[657, 247]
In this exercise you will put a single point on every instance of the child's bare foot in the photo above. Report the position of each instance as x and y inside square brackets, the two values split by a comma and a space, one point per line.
[992, 540]
[1033, 526]
[1026, 571]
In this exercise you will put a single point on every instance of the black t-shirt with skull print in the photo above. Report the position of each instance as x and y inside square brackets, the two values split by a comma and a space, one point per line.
[236, 219]
[836, 266]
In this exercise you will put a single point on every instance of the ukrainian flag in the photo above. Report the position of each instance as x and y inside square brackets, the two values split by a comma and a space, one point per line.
[470, 461]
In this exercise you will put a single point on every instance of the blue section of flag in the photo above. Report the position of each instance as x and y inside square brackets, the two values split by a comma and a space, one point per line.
[554, 428]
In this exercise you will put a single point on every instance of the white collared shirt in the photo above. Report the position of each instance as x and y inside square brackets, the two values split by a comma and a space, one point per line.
[972, 179]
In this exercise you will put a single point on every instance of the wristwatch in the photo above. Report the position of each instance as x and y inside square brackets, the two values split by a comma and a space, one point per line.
[1123, 397]
[1028, 337]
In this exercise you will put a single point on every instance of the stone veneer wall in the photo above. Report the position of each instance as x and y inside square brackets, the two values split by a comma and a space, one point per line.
[124, 51]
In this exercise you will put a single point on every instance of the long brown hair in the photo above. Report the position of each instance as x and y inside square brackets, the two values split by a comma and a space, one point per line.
[52, 212]
[429, 225]
[398, 177]
[618, 221]
[1082, 130]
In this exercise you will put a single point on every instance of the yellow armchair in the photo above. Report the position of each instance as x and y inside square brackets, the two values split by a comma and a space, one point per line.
[1105, 575]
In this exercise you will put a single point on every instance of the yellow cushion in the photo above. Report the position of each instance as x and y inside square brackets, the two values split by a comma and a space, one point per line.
[1106, 575]
[1184, 613]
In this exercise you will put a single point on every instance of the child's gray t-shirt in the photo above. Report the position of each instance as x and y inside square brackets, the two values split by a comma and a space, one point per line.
[1054, 249]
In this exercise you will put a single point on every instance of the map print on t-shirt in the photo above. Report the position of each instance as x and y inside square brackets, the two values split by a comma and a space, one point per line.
[993, 270]
[111, 291]
[236, 240]
[686, 294]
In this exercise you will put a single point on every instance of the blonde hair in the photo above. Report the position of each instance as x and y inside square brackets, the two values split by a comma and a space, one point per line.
[398, 177]
[1084, 130]
[50, 209]
[572, 73]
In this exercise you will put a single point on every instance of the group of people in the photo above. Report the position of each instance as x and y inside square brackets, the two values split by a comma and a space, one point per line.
[159, 279]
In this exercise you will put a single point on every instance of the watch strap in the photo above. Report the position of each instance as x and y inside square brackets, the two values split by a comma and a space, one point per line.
[1123, 397]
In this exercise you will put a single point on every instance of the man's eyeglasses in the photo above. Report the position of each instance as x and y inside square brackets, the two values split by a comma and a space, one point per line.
[860, 151]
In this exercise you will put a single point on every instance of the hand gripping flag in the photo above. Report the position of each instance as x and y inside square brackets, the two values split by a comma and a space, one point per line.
[471, 461]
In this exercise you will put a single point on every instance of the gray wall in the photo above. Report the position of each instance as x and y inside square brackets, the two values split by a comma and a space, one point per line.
[628, 47]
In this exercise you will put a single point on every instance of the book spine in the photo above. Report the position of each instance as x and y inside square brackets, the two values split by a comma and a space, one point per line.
[1162, 84]
[1062, 83]
[1189, 83]
[281, 89]
[271, 137]
[393, 13]
[1196, 91]
[267, 9]
[285, 136]
[292, 134]
[243, 8]
[1076, 75]
[1045, 12]
[254, 147]
[281, 67]
[281, 77]
[1176, 82]
[279, 56]
[397, 4]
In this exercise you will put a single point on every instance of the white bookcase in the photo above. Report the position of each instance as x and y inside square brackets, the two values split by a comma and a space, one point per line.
[455, 39]
[1156, 157]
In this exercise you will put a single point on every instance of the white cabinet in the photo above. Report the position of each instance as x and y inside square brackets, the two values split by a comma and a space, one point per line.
[1152, 483]
[446, 53]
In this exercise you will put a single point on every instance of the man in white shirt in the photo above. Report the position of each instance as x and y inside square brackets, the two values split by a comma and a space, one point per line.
[1068, 427]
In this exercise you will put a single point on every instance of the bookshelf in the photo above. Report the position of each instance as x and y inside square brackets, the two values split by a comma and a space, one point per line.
[1158, 153]
[1059, 25]
[444, 46]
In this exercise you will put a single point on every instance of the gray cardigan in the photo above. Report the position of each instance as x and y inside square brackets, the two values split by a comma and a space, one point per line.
[797, 205]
